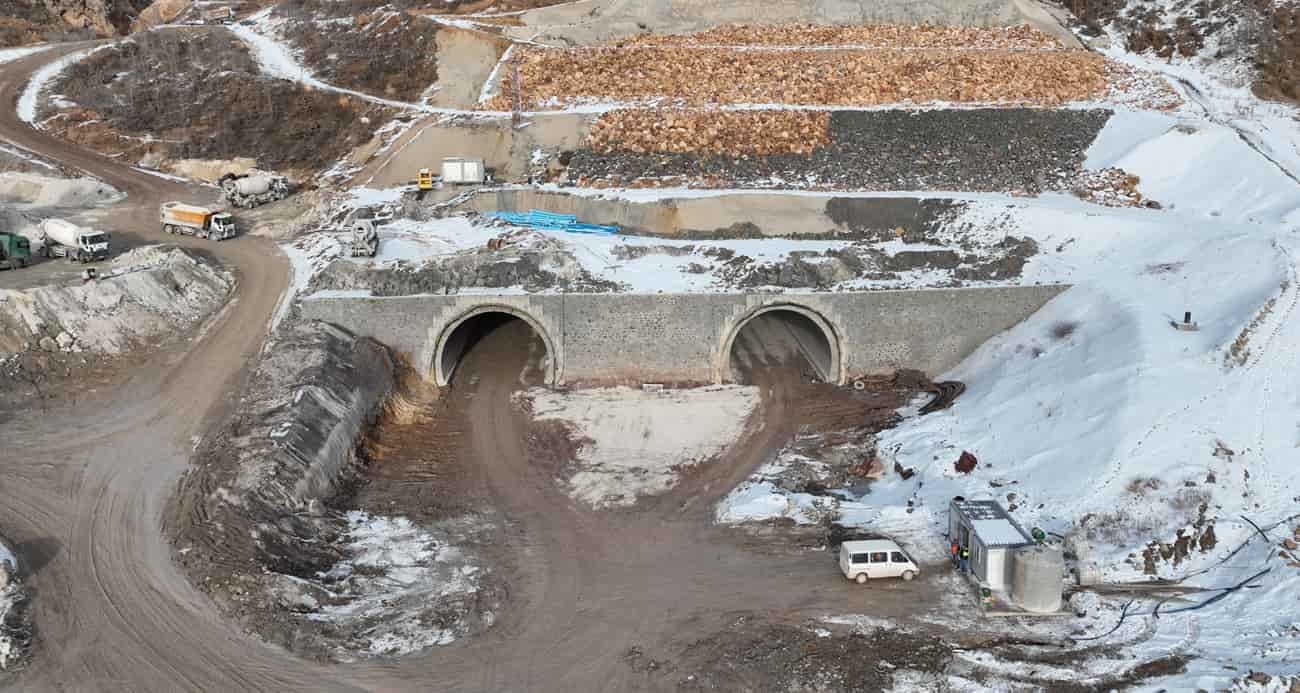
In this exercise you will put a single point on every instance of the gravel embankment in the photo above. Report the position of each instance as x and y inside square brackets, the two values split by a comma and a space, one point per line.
[981, 150]
[847, 77]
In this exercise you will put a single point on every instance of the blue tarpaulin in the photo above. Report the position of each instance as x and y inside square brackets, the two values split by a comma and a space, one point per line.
[554, 222]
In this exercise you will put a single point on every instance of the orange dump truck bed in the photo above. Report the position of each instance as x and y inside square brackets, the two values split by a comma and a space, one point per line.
[184, 214]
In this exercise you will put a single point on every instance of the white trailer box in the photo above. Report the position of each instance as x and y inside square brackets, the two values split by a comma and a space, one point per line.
[991, 536]
[462, 170]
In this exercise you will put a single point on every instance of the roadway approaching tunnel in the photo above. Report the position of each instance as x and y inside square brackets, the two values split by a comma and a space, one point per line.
[460, 337]
[785, 336]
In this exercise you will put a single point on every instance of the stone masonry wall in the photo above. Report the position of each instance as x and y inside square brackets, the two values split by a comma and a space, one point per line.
[683, 338]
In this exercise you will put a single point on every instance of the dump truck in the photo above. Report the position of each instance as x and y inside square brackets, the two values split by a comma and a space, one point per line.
[178, 217]
[15, 251]
[249, 191]
[61, 238]
[365, 240]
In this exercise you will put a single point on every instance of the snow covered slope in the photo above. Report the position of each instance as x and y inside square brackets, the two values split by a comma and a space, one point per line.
[1097, 420]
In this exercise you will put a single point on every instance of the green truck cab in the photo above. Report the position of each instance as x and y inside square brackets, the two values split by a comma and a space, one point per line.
[15, 251]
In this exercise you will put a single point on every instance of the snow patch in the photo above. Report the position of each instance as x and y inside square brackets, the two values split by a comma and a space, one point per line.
[636, 443]
[29, 100]
[396, 584]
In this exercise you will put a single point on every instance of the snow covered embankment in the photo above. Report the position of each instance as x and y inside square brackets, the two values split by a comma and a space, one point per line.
[142, 296]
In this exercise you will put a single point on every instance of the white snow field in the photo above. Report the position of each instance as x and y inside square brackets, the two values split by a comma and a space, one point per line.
[1097, 420]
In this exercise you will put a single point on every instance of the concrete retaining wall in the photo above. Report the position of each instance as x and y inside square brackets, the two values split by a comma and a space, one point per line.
[629, 338]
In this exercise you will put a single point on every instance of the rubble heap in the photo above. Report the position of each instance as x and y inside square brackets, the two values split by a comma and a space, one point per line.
[859, 77]
[710, 132]
[1022, 37]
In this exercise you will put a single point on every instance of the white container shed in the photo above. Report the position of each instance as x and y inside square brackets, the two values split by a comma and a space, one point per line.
[986, 529]
[456, 169]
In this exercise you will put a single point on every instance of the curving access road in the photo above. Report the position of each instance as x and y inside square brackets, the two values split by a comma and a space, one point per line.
[82, 488]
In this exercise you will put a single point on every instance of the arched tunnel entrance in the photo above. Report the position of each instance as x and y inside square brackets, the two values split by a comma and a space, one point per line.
[788, 337]
[513, 339]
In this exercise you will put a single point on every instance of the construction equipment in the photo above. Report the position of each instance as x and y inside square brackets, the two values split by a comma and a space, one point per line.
[15, 251]
[365, 240]
[218, 15]
[61, 238]
[250, 190]
[424, 179]
[178, 217]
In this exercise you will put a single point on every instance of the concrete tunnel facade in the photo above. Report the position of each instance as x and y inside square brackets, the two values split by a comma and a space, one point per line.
[597, 339]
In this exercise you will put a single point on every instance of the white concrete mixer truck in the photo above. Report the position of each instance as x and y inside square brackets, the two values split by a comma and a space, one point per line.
[61, 238]
[249, 191]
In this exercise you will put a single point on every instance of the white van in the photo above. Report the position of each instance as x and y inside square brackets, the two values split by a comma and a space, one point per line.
[875, 558]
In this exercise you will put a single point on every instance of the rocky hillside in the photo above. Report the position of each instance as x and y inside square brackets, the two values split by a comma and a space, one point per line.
[173, 94]
[24, 22]
[1260, 35]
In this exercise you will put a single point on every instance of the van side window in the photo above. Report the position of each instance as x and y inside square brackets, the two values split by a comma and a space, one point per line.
[898, 557]
[858, 558]
[880, 557]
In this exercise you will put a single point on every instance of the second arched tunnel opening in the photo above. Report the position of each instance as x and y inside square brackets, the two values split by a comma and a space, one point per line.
[785, 338]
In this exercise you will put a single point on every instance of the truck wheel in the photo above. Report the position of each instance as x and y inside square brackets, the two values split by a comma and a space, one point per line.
[861, 579]
[908, 575]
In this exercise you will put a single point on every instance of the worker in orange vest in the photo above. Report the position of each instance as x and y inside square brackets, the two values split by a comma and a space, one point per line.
[953, 550]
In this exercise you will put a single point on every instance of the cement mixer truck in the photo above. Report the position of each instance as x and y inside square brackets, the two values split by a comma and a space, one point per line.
[178, 217]
[61, 238]
[255, 189]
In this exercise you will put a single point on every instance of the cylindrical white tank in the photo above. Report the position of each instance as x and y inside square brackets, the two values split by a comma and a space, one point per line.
[253, 185]
[62, 232]
[1036, 584]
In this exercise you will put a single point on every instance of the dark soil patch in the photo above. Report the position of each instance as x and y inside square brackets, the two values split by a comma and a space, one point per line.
[751, 656]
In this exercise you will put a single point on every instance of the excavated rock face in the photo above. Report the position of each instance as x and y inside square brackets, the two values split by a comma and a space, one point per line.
[32, 21]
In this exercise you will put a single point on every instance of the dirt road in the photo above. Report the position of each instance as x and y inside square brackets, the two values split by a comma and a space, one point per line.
[82, 489]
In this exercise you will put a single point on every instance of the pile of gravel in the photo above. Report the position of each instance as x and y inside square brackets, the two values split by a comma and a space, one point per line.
[981, 150]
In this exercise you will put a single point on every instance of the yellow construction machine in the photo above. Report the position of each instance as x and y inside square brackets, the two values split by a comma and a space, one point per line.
[424, 179]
